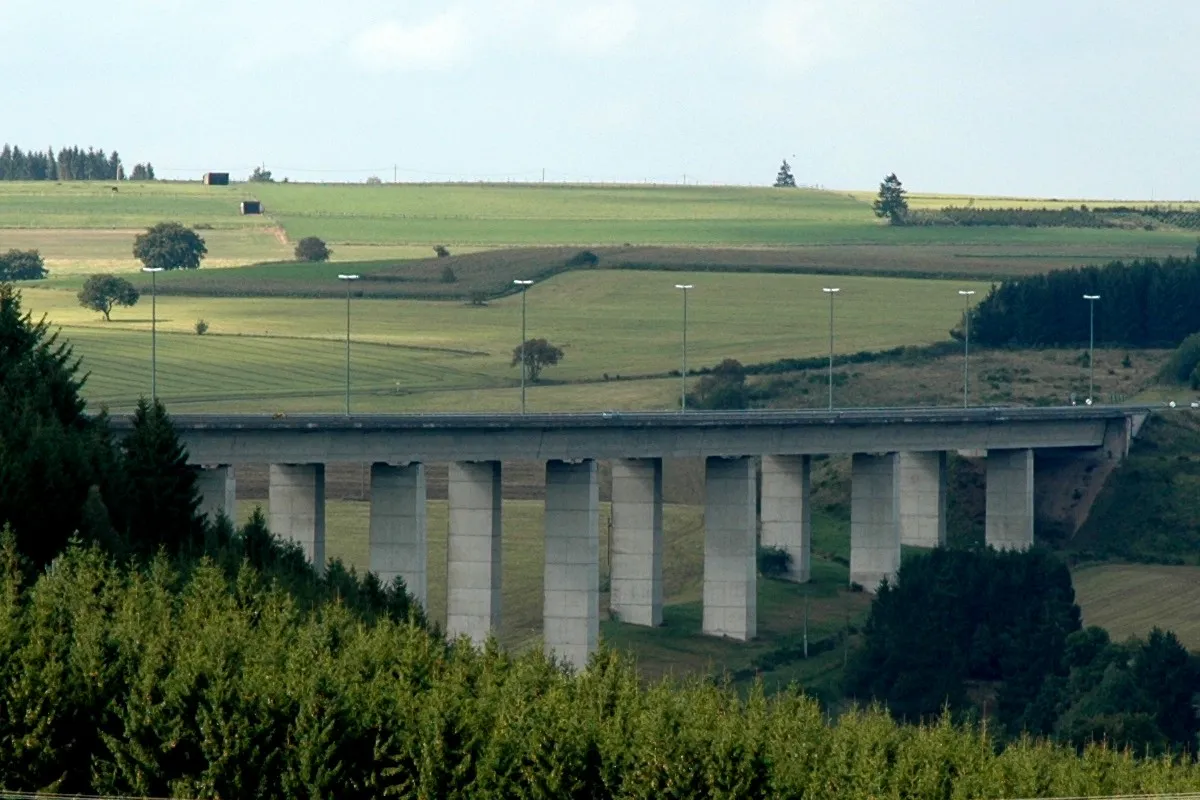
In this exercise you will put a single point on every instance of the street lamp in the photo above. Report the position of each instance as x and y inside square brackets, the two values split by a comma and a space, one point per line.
[524, 287]
[683, 371]
[966, 293]
[831, 292]
[153, 331]
[1091, 298]
[348, 279]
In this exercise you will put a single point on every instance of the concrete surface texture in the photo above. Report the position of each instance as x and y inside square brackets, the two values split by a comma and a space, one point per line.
[571, 612]
[874, 519]
[473, 550]
[217, 487]
[296, 498]
[923, 499]
[1009, 505]
[398, 541]
[730, 549]
[636, 555]
[787, 510]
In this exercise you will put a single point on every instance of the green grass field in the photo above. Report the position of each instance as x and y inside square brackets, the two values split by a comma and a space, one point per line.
[1130, 599]
[405, 220]
[289, 354]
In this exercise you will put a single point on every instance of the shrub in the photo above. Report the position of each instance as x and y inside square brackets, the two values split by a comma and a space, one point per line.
[584, 258]
[441, 250]
[201, 327]
[1181, 366]
[448, 275]
[311, 248]
[773, 562]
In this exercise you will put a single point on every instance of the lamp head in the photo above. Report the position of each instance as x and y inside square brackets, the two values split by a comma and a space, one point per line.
[1091, 297]
[966, 292]
[684, 286]
[152, 269]
[347, 277]
[831, 290]
[523, 283]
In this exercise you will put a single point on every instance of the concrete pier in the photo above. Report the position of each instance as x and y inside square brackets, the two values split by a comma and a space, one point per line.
[730, 549]
[473, 550]
[786, 510]
[572, 569]
[296, 498]
[874, 519]
[637, 541]
[923, 499]
[218, 492]
[1009, 521]
[397, 537]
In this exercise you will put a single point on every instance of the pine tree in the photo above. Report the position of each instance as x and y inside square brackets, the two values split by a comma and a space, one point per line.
[161, 499]
[891, 202]
[785, 179]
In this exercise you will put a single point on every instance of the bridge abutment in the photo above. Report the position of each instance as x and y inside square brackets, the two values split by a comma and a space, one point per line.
[923, 499]
[730, 549]
[1009, 505]
[571, 612]
[874, 519]
[787, 510]
[473, 550]
[296, 499]
[398, 542]
[636, 555]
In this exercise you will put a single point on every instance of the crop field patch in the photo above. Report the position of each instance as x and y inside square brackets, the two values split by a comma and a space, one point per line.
[1130, 599]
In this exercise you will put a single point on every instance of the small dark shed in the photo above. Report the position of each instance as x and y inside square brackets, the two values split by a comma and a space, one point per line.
[216, 179]
[251, 207]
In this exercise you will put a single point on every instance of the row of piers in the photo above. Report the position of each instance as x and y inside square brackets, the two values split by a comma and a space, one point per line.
[896, 498]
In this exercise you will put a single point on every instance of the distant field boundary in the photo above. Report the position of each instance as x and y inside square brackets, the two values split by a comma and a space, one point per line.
[489, 274]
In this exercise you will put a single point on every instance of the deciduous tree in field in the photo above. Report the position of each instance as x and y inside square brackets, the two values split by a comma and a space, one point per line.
[103, 292]
[22, 265]
[142, 172]
[785, 179]
[169, 245]
[537, 353]
[891, 202]
[312, 248]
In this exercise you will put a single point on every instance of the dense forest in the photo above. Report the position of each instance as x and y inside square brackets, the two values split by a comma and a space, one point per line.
[68, 164]
[1144, 303]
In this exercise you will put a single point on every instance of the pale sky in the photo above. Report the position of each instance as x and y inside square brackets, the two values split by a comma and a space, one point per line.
[1066, 98]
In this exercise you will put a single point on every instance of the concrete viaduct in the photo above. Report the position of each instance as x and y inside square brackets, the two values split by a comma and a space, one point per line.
[898, 494]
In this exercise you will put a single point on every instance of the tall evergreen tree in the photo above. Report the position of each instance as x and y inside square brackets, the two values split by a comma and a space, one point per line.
[785, 179]
[161, 500]
[891, 202]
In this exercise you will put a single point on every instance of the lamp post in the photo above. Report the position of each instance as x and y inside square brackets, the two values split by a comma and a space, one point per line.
[1091, 298]
[966, 294]
[153, 331]
[524, 286]
[349, 279]
[831, 291]
[683, 371]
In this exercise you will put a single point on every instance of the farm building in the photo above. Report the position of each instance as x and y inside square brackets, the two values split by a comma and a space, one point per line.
[216, 179]
[251, 207]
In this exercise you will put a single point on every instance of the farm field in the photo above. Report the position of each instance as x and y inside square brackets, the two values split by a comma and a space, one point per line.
[283, 354]
[405, 220]
[1130, 599]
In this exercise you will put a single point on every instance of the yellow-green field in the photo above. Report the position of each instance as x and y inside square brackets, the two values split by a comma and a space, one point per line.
[1130, 599]
[284, 354]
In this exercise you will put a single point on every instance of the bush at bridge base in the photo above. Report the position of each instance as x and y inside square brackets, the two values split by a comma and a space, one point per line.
[143, 681]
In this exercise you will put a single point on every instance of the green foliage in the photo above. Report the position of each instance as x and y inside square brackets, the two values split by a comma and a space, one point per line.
[724, 388]
[447, 275]
[22, 265]
[536, 354]
[1143, 303]
[103, 292]
[956, 616]
[142, 172]
[890, 202]
[169, 245]
[201, 327]
[261, 175]
[70, 164]
[785, 179]
[584, 258]
[160, 495]
[773, 562]
[312, 248]
[188, 680]
[1181, 366]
